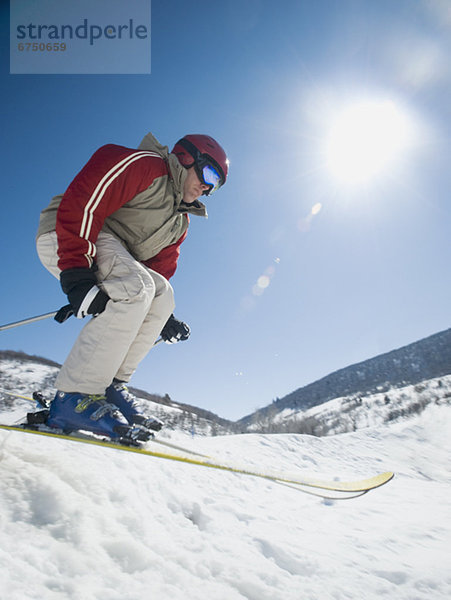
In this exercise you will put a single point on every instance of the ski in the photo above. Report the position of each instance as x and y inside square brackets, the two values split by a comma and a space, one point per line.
[363, 485]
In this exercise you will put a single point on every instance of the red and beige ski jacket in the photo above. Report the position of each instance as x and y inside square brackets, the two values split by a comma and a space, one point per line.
[135, 195]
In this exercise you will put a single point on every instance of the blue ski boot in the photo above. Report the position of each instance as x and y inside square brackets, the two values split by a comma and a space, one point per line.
[117, 393]
[91, 412]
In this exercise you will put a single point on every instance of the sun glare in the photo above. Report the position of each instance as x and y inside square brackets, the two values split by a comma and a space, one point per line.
[366, 139]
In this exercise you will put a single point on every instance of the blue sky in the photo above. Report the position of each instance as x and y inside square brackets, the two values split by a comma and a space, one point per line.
[296, 273]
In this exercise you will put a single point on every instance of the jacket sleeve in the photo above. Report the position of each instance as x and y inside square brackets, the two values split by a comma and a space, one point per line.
[165, 262]
[112, 177]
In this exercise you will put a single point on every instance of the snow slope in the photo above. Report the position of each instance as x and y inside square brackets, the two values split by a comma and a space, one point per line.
[84, 523]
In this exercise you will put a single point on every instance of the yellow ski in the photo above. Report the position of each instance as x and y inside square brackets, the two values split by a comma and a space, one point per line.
[363, 485]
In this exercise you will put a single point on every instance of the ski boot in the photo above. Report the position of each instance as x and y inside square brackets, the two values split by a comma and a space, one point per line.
[91, 412]
[117, 393]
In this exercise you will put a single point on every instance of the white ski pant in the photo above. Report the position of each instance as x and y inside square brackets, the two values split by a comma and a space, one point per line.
[113, 343]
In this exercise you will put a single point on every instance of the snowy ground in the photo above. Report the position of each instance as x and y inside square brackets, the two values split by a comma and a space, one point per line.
[84, 523]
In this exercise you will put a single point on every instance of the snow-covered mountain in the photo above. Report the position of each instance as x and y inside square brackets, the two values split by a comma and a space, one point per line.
[356, 411]
[393, 384]
[380, 390]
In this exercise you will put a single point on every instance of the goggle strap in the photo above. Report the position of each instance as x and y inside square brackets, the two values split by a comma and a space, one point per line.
[197, 156]
[190, 148]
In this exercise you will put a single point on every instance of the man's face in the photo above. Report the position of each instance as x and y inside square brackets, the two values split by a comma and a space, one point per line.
[193, 188]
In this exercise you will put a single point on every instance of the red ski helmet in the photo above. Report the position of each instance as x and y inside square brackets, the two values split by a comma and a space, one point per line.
[208, 158]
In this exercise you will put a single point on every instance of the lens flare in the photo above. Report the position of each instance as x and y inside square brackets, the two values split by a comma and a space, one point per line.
[263, 281]
[305, 223]
[316, 208]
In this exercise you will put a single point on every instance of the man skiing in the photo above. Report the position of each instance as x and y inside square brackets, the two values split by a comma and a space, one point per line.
[113, 240]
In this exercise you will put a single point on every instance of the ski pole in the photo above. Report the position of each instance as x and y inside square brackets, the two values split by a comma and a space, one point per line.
[62, 314]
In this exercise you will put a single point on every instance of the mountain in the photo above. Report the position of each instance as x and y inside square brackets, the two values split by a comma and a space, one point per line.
[427, 359]
[376, 391]
[356, 411]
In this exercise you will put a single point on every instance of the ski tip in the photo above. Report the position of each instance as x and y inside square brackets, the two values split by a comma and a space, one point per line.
[389, 476]
[379, 480]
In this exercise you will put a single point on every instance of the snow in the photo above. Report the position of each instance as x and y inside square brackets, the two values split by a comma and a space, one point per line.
[82, 522]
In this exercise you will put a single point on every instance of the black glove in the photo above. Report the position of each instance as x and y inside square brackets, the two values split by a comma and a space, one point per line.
[64, 313]
[80, 286]
[175, 331]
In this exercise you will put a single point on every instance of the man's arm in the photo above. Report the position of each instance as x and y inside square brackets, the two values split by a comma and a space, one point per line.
[112, 177]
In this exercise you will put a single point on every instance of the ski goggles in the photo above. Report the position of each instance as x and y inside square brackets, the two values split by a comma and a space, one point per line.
[210, 176]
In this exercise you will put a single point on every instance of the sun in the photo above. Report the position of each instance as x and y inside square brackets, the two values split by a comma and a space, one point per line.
[366, 139]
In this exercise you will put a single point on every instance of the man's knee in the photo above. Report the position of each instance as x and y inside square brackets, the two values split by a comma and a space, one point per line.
[165, 294]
